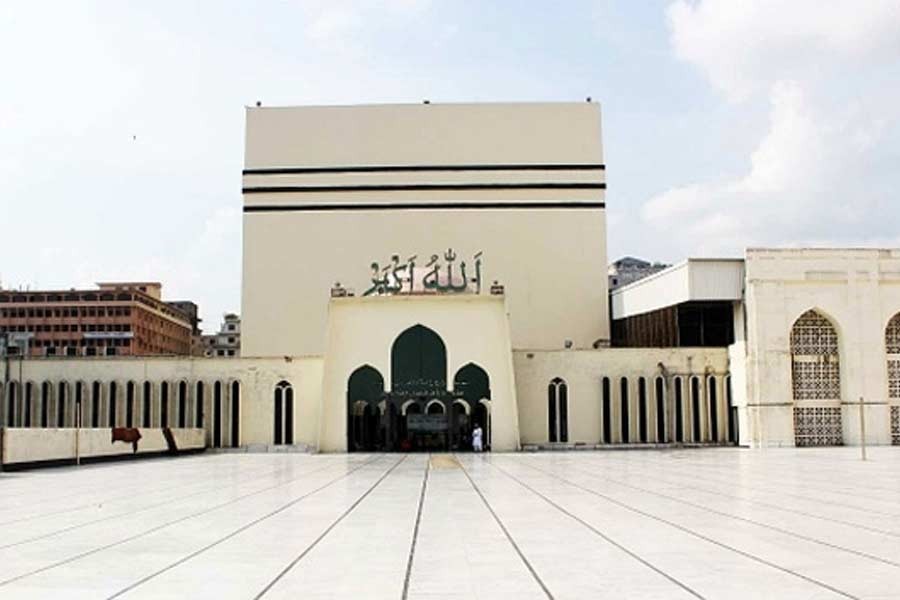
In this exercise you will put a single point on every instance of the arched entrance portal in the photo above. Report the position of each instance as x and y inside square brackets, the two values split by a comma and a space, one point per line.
[365, 390]
[420, 412]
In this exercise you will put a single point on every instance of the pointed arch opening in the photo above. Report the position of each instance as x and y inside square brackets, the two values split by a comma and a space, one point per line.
[816, 381]
[472, 385]
[660, 392]
[558, 410]
[199, 398]
[696, 432]
[712, 394]
[147, 404]
[62, 403]
[365, 389]
[46, 393]
[235, 416]
[643, 434]
[283, 414]
[217, 415]
[182, 403]
[892, 348]
[606, 409]
[677, 385]
[129, 404]
[418, 362]
[112, 413]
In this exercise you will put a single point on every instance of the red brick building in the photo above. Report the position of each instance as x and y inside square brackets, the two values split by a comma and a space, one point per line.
[115, 319]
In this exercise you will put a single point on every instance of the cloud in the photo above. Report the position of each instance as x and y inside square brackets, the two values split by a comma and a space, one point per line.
[817, 174]
[743, 46]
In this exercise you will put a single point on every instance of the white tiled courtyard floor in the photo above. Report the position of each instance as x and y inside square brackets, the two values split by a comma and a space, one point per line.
[712, 523]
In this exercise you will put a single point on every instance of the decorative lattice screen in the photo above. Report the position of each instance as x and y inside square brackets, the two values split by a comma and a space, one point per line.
[818, 426]
[816, 378]
[892, 343]
[895, 425]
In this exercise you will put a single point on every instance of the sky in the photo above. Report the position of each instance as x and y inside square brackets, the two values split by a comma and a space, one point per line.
[726, 124]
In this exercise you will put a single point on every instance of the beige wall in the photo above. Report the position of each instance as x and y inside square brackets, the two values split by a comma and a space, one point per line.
[583, 372]
[35, 445]
[544, 256]
[858, 290]
[361, 332]
[257, 379]
[498, 133]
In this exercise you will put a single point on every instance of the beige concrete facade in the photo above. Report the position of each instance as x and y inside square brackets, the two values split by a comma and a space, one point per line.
[329, 190]
[242, 387]
[519, 191]
[857, 291]
[615, 375]
[474, 328]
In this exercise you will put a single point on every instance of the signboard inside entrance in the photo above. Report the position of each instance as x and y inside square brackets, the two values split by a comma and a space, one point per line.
[427, 423]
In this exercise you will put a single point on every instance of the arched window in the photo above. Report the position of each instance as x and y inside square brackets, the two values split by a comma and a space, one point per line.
[892, 346]
[679, 409]
[113, 401]
[198, 405]
[26, 404]
[713, 396]
[46, 387]
[284, 413]
[418, 362]
[217, 415]
[558, 410]
[129, 404]
[79, 405]
[642, 409]
[660, 410]
[624, 410]
[182, 403]
[235, 414]
[62, 399]
[435, 407]
[12, 393]
[606, 410]
[164, 404]
[732, 412]
[816, 379]
[365, 388]
[96, 390]
[147, 404]
[696, 431]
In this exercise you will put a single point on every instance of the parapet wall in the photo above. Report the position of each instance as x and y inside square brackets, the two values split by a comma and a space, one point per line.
[32, 446]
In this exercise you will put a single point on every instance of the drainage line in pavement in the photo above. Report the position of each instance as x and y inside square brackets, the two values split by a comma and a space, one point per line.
[584, 523]
[738, 518]
[712, 492]
[680, 528]
[415, 536]
[509, 536]
[92, 486]
[209, 489]
[72, 559]
[244, 527]
[321, 537]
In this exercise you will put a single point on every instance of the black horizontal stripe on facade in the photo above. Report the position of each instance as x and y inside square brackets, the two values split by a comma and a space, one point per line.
[420, 187]
[424, 168]
[424, 206]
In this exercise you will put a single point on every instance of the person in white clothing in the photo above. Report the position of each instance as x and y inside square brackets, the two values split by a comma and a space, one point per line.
[476, 438]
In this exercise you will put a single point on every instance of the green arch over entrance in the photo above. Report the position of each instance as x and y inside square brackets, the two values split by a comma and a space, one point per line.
[418, 362]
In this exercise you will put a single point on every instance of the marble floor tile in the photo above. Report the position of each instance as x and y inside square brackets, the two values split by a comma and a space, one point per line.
[698, 523]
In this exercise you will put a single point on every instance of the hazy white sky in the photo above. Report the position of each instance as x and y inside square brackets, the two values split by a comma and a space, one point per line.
[726, 123]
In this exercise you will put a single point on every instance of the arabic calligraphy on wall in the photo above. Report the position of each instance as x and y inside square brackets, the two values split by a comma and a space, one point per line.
[434, 277]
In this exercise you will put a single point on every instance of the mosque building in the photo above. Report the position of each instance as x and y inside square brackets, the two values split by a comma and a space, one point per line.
[410, 271]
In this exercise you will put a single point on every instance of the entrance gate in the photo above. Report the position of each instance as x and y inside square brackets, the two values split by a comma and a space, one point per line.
[419, 413]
